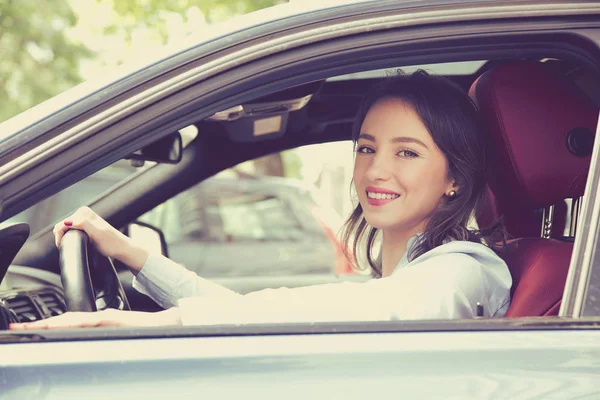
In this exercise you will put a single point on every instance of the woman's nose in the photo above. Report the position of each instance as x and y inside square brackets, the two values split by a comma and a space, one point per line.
[378, 169]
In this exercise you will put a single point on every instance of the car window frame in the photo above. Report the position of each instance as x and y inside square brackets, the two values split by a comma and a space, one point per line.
[583, 279]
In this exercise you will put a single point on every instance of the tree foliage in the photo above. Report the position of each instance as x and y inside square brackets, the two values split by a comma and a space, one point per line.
[154, 13]
[40, 59]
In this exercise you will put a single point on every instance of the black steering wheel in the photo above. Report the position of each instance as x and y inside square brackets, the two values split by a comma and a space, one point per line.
[89, 279]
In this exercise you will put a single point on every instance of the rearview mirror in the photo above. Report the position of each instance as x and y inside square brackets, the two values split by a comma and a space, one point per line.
[166, 150]
[148, 237]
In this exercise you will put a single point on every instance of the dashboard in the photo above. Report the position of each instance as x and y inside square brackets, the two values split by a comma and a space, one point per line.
[28, 294]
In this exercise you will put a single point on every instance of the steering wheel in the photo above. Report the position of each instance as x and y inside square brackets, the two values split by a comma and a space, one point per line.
[89, 279]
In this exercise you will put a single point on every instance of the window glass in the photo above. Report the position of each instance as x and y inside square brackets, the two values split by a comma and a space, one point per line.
[63, 203]
[250, 222]
[84, 192]
[218, 227]
[253, 217]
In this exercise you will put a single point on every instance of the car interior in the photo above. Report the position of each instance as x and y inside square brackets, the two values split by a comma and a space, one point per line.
[540, 120]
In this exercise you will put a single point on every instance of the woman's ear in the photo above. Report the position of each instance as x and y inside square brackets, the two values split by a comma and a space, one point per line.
[452, 188]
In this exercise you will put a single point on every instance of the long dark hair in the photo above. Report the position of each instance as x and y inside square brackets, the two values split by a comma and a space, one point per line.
[453, 122]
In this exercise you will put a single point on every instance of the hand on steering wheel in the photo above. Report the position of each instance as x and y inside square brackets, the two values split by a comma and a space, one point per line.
[89, 278]
[109, 241]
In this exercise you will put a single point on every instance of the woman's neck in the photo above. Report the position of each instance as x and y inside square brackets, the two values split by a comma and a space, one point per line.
[393, 246]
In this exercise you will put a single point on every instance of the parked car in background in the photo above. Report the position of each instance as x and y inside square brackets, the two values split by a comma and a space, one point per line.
[250, 233]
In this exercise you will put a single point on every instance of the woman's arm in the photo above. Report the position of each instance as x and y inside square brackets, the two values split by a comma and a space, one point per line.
[443, 287]
[108, 240]
[154, 275]
[166, 282]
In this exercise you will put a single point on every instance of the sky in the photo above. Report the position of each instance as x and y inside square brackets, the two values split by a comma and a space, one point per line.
[94, 17]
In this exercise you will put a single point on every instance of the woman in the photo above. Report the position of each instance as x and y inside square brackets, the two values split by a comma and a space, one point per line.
[419, 175]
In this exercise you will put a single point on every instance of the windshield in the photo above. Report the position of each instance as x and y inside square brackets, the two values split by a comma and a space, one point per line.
[49, 211]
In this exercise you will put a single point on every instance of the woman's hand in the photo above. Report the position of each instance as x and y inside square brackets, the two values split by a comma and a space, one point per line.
[108, 240]
[105, 318]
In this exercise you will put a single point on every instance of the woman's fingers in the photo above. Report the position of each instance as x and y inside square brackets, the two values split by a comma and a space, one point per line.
[106, 239]
[69, 320]
[59, 231]
[82, 219]
[105, 318]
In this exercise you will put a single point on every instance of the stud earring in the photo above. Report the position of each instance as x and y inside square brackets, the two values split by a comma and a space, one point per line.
[452, 193]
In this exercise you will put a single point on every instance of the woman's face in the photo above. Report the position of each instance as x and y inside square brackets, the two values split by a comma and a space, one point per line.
[400, 174]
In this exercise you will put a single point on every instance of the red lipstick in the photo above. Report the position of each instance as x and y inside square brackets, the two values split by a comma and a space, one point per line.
[380, 196]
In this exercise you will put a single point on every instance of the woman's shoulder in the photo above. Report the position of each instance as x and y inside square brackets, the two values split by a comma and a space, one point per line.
[474, 249]
[464, 255]
[467, 263]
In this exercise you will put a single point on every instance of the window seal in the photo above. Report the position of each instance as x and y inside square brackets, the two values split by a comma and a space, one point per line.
[586, 254]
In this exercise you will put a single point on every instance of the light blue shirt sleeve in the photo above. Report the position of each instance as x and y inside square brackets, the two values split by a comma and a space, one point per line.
[446, 283]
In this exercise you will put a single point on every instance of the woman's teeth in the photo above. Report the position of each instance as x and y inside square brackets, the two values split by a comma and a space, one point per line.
[382, 196]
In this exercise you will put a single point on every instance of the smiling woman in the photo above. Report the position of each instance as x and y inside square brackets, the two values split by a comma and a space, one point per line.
[419, 168]
[418, 174]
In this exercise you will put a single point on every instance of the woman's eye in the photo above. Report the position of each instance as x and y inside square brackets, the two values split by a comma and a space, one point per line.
[407, 153]
[364, 150]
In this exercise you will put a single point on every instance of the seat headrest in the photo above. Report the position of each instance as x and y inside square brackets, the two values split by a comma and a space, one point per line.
[541, 130]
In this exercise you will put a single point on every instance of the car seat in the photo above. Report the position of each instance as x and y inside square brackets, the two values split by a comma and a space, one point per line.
[541, 131]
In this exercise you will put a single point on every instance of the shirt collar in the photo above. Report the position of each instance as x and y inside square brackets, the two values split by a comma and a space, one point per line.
[410, 244]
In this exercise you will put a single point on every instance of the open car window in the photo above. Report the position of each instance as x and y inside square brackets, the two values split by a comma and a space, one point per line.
[274, 222]
[219, 226]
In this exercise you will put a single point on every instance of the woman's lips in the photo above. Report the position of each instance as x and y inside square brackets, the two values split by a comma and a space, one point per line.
[380, 196]
[379, 202]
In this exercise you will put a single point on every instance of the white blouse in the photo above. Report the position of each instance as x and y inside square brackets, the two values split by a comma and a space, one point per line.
[445, 283]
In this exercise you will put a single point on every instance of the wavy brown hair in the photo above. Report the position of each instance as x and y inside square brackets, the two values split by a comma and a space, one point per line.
[453, 122]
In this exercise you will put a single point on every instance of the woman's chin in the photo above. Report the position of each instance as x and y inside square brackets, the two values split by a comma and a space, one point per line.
[378, 223]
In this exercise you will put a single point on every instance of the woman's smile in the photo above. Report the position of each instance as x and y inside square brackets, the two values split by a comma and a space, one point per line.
[379, 196]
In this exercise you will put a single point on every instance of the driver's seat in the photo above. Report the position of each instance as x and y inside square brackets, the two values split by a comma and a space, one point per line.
[541, 130]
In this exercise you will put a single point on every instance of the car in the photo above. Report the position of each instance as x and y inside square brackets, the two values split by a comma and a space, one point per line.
[220, 224]
[293, 76]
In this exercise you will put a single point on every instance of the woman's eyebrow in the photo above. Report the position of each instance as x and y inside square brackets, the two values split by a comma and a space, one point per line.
[366, 136]
[408, 139]
[399, 139]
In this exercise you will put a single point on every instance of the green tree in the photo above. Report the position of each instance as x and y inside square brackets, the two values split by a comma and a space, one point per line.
[38, 60]
[154, 13]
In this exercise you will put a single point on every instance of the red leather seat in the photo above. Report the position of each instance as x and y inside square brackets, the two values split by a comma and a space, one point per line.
[539, 270]
[521, 222]
[530, 112]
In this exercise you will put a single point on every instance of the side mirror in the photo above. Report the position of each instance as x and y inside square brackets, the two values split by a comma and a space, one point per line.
[166, 150]
[148, 237]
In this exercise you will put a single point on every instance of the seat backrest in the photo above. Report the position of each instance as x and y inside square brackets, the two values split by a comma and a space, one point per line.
[539, 270]
[540, 129]
[520, 222]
